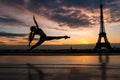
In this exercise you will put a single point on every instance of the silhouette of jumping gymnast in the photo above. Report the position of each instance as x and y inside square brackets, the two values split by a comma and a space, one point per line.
[35, 30]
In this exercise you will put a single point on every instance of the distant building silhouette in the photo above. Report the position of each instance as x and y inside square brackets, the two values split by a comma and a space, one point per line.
[102, 45]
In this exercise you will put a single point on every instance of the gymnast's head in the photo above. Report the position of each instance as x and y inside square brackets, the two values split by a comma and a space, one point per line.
[33, 28]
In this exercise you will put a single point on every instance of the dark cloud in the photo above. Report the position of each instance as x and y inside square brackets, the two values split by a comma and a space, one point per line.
[33, 39]
[54, 10]
[4, 19]
[6, 34]
[23, 42]
[2, 43]
[56, 28]
[115, 11]
[68, 3]
[12, 2]
[73, 18]
[67, 12]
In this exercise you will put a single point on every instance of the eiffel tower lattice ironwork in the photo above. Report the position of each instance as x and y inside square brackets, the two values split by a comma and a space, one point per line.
[100, 45]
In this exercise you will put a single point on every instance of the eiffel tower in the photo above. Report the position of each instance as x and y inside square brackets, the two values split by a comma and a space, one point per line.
[101, 45]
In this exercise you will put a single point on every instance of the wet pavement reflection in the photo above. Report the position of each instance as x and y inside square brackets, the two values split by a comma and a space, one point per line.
[29, 71]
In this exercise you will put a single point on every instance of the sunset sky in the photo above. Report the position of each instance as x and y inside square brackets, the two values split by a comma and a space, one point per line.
[78, 19]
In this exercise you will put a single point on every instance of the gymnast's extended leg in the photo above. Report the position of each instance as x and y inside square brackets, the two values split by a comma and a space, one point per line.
[56, 37]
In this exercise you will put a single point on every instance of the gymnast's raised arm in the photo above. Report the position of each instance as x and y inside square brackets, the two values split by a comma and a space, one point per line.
[36, 23]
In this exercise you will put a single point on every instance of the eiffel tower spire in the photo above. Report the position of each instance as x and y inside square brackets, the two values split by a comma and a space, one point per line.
[100, 45]
[102, 28]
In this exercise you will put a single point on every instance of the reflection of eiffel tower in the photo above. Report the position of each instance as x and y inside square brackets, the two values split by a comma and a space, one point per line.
[100, 45]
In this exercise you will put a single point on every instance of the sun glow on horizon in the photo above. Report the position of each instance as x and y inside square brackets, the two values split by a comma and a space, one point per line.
[85, 42]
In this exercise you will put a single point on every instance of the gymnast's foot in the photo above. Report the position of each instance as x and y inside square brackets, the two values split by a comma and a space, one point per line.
[66, 37]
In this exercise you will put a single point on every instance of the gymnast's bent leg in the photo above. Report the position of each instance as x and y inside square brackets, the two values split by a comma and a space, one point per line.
[37, 44]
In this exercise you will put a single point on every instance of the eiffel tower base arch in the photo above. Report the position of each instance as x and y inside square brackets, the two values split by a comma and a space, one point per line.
[103, 46]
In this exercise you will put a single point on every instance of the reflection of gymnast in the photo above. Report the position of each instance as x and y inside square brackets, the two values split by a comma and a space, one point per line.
[35, 30]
